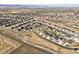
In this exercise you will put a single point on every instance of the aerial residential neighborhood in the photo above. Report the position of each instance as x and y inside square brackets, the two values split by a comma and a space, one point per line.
[28, 29]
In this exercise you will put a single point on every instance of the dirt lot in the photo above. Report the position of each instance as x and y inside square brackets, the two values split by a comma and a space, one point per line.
[7, 45]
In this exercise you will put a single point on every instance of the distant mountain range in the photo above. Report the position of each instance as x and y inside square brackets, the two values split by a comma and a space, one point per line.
[22, 6]
[39, 6]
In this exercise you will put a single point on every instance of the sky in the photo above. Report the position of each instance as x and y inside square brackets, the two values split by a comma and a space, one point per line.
[68, 3]
[39, 2]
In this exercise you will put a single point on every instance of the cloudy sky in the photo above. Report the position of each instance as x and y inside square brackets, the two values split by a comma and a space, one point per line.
[39, 2]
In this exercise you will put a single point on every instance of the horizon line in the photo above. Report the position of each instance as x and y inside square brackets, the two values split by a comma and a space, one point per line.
[49, 5]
